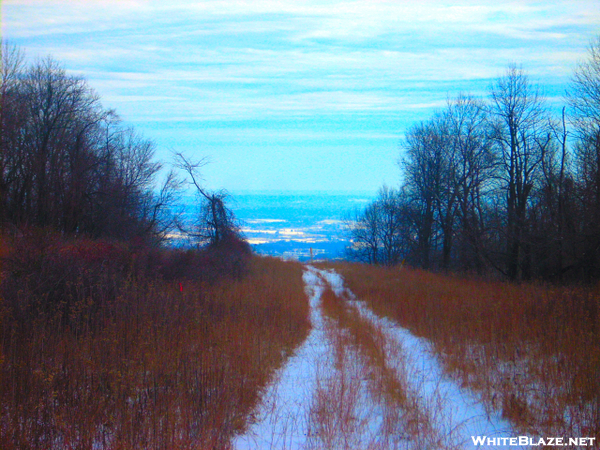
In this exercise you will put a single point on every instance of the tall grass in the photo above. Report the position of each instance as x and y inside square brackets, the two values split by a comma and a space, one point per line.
[531, 351]
[113, 355]
[410, 417]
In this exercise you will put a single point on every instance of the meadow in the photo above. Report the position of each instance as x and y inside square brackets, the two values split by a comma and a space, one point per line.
[110, 347]
[528, 350]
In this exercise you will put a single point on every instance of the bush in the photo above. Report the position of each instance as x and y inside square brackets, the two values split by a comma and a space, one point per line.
[228, 259]
[72, 279]
[63, 278]
[130, 360]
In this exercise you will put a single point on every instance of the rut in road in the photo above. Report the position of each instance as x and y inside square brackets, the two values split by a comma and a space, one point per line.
[363, 382]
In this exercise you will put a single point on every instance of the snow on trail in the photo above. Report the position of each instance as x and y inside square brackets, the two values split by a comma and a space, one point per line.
[321, 398]
[457, 410]
[282, 420]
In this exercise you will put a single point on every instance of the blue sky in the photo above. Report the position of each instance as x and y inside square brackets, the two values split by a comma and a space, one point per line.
[297, 95]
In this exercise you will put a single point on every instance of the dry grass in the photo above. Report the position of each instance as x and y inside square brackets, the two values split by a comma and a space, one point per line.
[153, 367]
[409, 418]
[344, 413]
[3, 253]
[532, 351]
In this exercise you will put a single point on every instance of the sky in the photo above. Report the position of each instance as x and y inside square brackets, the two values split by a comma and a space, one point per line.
[297, 95]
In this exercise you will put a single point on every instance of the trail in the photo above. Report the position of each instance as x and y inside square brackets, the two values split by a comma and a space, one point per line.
[332, 395]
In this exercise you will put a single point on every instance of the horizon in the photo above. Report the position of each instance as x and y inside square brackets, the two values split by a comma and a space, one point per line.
[303, 192]
[314, 96]
[292, 224]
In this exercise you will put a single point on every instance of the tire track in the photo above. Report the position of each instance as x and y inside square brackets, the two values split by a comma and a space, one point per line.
[361, 381]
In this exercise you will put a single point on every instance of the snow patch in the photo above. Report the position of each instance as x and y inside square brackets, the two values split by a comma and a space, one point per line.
[459, 412]
[321, 396]
[281, 421]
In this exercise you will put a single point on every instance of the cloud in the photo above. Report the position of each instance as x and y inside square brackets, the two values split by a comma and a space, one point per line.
[259, 64]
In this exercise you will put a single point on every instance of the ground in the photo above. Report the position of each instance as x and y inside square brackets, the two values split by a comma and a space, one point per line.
[362, 381]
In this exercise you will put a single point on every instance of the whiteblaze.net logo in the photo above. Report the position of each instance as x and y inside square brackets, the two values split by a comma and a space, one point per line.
[526, 441]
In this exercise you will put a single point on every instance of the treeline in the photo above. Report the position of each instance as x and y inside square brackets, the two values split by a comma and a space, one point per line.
[500, 185]
[81, 209]
[68, 164]
[107, 338]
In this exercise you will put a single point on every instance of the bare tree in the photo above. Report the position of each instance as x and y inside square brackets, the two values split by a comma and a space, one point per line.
[522, 137]
[555, 208]
[474, 169]
[12, 117]
[425, 170]
[584, 92]
[61, 109]
[447, 166]
[584, 99]
[364, 231]
[67, 163]
[215, 222]
[381, 233]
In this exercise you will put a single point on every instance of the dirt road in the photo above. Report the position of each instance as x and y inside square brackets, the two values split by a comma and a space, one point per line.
[363, 382]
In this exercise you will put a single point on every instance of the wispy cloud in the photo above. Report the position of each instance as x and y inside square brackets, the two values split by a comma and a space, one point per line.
[190, 62]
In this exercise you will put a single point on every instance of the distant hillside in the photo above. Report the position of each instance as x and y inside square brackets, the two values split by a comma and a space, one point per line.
[289, 224]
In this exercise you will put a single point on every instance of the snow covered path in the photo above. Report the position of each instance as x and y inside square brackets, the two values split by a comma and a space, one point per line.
[282, 420]
[329, 395]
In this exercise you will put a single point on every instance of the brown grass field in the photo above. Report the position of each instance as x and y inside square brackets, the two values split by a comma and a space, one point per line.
[403, 408]
[111, 347]
[531, 351]
[150, 363]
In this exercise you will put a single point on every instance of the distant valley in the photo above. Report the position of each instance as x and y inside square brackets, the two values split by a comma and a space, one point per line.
[289, 225]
